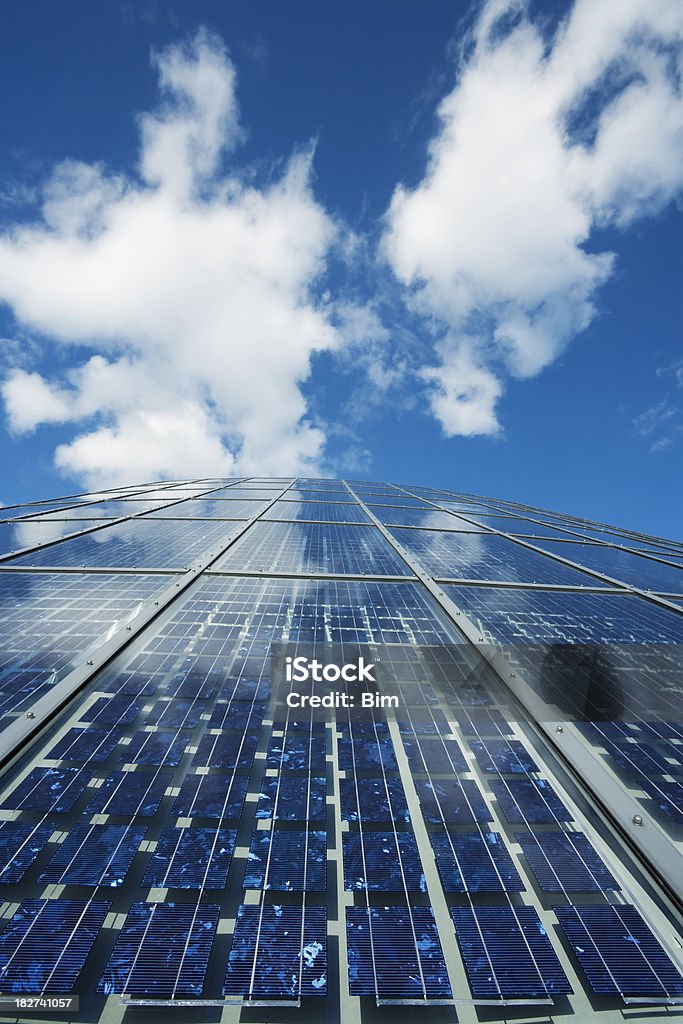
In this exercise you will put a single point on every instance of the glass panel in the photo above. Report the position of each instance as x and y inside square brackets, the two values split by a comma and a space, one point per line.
[530, 616]
[486, 557]
[625, 566]
[312, 548]
[322, 511]
[162, 545]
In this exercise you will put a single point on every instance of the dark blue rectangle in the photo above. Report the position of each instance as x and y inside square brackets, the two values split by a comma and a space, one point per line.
[278, 952]
[287, 861]
[130, 794]
[501, 755]
[382, 861]
[53, 790]
[507, 953]
[211, 796]
[287, 797]
[20, 844]
[94, 855]
[474, 862]
[394, 954]
[226, 750]
[155, 748]
[529, 800]
[434, 756]
[618, 952]
[162, 951]
[381, 800]
[85, 745]
[452, 801]
[565, 862]
[191, 858]
[45, 945]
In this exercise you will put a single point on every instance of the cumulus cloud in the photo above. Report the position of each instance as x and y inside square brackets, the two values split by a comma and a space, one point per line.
[193, 290]
[539, 143]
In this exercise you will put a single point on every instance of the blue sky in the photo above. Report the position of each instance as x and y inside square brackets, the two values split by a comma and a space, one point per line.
[437, 247]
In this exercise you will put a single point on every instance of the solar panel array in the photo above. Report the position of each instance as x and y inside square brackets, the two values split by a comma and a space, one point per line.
[424, 852]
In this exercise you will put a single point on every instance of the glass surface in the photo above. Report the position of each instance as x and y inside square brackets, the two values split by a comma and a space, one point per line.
[313, 548]
[428, 518]
[624, 566]
[30, 533]
[139, 544]
[531, 616]
[486, 557]
[322, 511]
[208, 508]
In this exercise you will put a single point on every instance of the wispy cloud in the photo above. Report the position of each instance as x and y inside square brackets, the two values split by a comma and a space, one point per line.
[193, 289]
[661, 425]
[539, 143]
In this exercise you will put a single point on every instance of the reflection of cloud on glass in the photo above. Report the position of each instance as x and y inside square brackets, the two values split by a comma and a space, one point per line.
[31, 532]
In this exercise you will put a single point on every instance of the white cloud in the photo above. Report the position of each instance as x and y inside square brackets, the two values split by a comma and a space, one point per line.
[537, 145]
[194, 288]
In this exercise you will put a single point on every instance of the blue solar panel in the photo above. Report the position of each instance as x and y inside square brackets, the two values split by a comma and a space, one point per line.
[507, 953]
[287, 861]
[211, 796]
[226, 750]
[529, 800]
[565, 861]
[290, 798]
[175, 713]
[456, 801]
[618, 952]
[385, 861]
[236, 714]
[297, 751]
[20, 844]
[473, 862]
[637, 759]
[119, 710]
[374, 754]
[380, 800]
[501, 755]
[94, 855]
[162, 951]
[423, 721]
[278, 953]
[481, 722]
[435, 756]
[84, 745]
[394, 954]
[48, 789]
[130, 794]
[155, 748]
[45, 944]
[191, 858]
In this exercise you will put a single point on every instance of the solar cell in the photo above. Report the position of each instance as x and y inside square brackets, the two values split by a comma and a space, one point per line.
[45, 944]
[565, 862]
[175, 713]
[155, 748]
[474, 862]
[52, 790]
[435, 756]
[384, 861]
[380, 800]
[236, 714]
[278, 952]
[507, 953]
[287, 861]
[501, 755]
[211, 796]
[423, 721]
[130, 794]
[94, 855]
[297, 751]
[376, 754]
[226, 750]
[667, 796]
[395, 955]
[529, 800]
[191, 858]
[20, 844]
[452, 801]
[162, 951]
[119, 710]
[618, 952]
[84, 745]
[289, 798]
